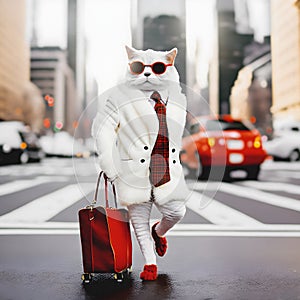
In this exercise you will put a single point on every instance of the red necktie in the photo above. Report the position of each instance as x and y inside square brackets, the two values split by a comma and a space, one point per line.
[159, 165]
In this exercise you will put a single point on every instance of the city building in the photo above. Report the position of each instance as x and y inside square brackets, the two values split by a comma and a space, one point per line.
[54, 59]
[251, 94]
[19, 98]
[231, 55]
[285, 60]
[50, 71]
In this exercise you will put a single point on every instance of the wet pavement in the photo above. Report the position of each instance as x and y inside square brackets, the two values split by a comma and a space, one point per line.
[49, 267]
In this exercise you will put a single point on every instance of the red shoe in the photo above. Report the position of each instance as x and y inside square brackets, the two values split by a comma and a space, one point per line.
[149, 272]
[161, 243]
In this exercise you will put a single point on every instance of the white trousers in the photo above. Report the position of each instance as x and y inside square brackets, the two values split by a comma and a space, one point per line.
[172, 212]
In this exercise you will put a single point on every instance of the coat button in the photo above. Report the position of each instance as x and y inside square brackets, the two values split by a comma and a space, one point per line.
[142, 160]
[173, 150]
[146, 148]
[174, 161]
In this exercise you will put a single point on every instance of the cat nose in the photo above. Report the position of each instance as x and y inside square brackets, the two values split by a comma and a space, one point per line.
[147, 74]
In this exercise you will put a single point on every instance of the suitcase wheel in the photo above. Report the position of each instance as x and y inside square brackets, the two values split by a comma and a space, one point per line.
[119, 277]
[123, 275]
[86, 278]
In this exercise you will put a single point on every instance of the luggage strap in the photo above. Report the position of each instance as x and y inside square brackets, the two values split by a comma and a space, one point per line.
[105, 190]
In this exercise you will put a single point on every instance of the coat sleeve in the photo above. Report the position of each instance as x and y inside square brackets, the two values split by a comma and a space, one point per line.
[104, 131]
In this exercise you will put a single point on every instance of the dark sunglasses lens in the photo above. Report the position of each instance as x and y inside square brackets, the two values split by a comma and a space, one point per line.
[137, 67]
[159, 68]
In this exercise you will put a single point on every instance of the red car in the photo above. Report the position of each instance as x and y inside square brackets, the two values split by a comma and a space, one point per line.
[220, 145]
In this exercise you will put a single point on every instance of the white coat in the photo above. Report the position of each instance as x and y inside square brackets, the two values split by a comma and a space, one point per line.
[125, 129]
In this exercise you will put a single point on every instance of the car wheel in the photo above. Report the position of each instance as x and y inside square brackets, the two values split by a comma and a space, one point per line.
[188, 172]
[24, 158]
[294, 156]
[204, 175]
[225, 173]
[253, 172]
[202, 172]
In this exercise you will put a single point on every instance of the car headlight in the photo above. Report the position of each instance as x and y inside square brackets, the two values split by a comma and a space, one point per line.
[6, 148]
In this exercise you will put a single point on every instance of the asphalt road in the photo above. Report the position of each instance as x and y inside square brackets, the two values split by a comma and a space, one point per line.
[237, 241]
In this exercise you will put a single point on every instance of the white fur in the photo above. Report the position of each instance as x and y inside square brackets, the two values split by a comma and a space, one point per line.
[126, 123]
[153, 82]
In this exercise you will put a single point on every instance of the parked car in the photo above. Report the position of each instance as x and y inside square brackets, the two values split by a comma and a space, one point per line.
[287, 126]
[18, 144]
[62, 144]
[220, 145]
[285, 144]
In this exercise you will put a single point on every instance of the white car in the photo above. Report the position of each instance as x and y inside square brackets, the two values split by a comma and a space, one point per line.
[285, 145]
[62, 144]
[18, 144]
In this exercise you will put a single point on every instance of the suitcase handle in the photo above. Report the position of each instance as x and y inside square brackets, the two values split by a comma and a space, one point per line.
[105, 189]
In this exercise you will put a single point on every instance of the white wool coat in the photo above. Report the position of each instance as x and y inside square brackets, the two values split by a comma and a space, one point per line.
[125, 129]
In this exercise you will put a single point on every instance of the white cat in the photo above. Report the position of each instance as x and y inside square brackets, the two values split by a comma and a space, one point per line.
[128, 130]
[154, 81]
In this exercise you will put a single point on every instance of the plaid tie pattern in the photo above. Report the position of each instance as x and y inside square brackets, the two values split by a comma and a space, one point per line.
[159, 164]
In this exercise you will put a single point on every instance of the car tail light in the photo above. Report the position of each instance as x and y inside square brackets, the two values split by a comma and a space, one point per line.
[257, 142]
[211, 142]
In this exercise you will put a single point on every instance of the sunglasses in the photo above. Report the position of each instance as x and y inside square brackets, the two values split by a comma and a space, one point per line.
[158, 68]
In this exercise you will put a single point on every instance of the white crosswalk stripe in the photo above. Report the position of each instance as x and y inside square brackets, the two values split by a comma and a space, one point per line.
[47, 167]
[19, 185]
[257, 195]
[273, 186]
[283, 169]
[191, 230]
[48, 206]
[270, 165]
[294, 175]
[218, 213]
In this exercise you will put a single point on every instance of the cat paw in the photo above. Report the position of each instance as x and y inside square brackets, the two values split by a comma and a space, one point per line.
[149, 272]
[161, 243]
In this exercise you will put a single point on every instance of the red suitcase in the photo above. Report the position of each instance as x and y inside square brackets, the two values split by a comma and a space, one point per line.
[105, 238]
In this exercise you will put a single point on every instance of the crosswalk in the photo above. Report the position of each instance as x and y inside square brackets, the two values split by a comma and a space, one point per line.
[218, 213]
[212, 201]
[257, 195]
[44, 208]
[19, 185]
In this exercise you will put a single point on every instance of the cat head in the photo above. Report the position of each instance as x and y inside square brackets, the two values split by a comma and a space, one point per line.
[142, 76]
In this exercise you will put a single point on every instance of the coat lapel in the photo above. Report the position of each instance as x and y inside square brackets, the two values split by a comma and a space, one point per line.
[138, 107]
[176, 117]
[141, 112]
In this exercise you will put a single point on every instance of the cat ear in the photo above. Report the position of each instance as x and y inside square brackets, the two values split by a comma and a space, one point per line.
[171, 55]
[130, 51]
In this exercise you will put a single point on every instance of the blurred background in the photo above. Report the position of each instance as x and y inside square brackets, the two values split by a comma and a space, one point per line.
[56, 56]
